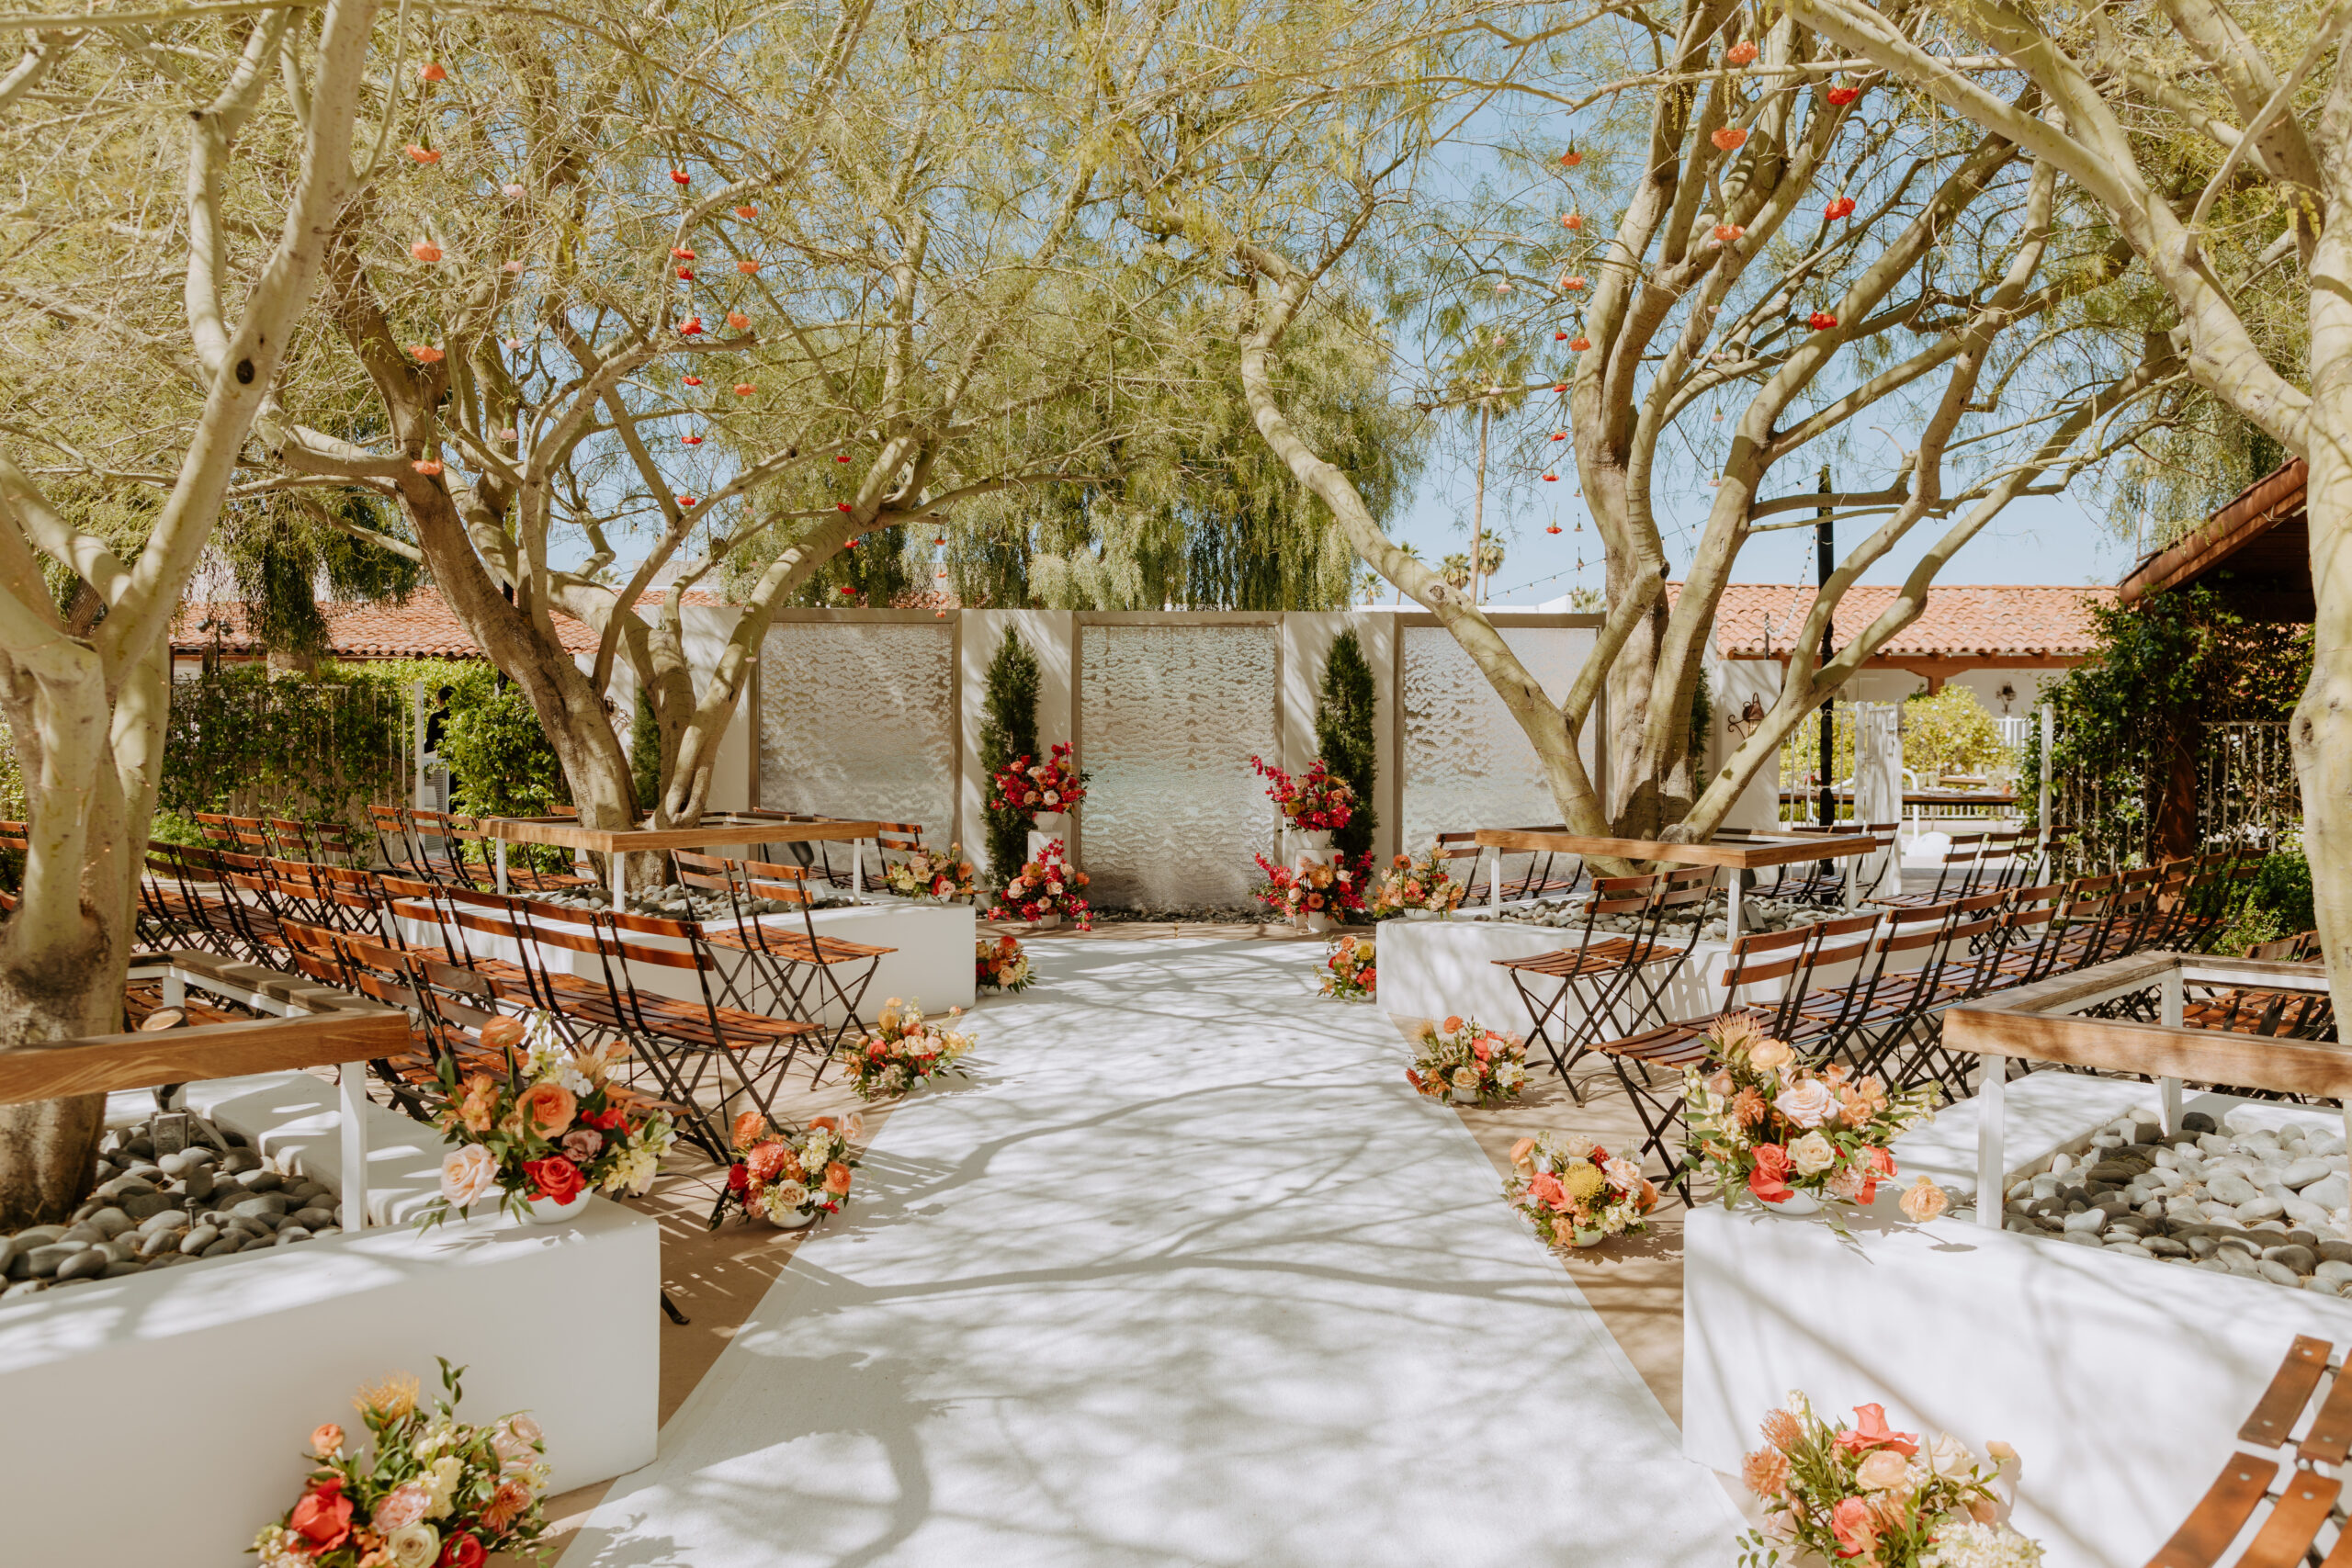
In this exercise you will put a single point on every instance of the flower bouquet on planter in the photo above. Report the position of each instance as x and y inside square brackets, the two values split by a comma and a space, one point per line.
[1349, 971]
[1315, 803]
[934, 875]
[1463, 1063]
[787, 1180]
[1417, 887]
[545, 1132]
[1785, 1130]
[1047, 889]
[1869, 1493]
[1030, 788]
[1000, 965]
[435, 1493]
[902, 1051]
[1575, 1192]
[1324, 889]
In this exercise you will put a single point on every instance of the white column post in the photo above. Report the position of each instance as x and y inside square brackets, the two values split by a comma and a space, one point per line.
[2041, 813]
[1495, 881]
[1992, 1195]
[416, 796]
[857, 868]
[351, 1095]
[502, 864]
[1731, 907]
[619, 879]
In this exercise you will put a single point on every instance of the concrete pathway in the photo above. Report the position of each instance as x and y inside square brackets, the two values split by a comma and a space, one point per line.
[1186, 1275]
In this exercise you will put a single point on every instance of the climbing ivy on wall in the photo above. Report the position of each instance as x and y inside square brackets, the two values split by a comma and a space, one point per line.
[1347, 739]
[246, 742]
[1009, 731]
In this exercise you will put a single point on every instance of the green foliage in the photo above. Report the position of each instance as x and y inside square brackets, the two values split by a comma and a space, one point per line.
[645, 752]
[1346, 738]
[1702, 720]
[244, 741]
[1008, 731]
[874, 571]
[500, 761]
[1951, 733]
[2158, 671]
[278, 553]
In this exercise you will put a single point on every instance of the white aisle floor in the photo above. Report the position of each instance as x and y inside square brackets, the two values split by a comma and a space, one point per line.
[1187, 1274]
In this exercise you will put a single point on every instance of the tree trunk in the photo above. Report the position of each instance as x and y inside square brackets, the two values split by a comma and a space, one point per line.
[54, 1144]
[2323, 732]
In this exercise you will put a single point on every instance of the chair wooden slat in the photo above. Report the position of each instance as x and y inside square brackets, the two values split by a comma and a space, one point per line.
[2219, 1515]
[2330, 1437]
[2274, 1416]
[2301, 1506]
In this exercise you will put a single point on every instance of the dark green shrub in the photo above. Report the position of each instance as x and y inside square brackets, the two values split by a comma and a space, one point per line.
[1346, 738]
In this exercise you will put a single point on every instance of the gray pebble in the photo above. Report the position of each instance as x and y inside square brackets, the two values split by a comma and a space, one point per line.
[110, 1222]
[2261, 1210]
[121, 1270]
[88, 1263]
[2276, 1273]
[291, 1234]
[44, 1261]
[2082, 1238]
[2090, 1221]
[317, 1219]
[154, 1244]
[2301, 1260]
[2233, 1189]
[2166, 1246]
[198, 1242]
[263, 1204]
[2130, 1249]
[222, 1247]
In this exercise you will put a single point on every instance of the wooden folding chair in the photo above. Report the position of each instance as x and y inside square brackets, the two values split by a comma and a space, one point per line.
[808, 972]
[2299, 1499]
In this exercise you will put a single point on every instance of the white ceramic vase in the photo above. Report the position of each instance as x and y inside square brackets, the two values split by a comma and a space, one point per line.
[796, 1221]
[1315, 923]
[547, 1212]
[1046, 922]
[1313, 838]
[1796, 1206]
[1420, 914]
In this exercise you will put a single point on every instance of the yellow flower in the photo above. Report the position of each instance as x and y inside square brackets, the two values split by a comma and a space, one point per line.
[389, 1400]
[1582, 1180]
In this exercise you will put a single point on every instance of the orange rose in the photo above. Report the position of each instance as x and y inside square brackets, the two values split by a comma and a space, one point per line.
[548, 1108]
[837, 1179]
[503, 1033]
[749, 1129]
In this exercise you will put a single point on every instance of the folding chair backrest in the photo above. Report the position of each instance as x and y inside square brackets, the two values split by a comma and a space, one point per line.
[706, 872]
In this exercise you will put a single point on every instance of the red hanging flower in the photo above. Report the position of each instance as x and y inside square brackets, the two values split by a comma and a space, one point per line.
[425, 353]
[1559, 337]
[1550, 479]
[690, 440]
[846, 592]
[691, 326]
[1579, 344]
[1821, 321]
[1559, 435]
[687, 502]
[1574, 220]
[1839, 207]
[680, 177]
[841, 456]
[1563, 385]
[1729, 139]
[747, 212]
[747, 267]
[426, 251]
[423, 154]
[744, 388]
[737, 320]
[1739, 53]
[682, 253]
[1727, 232]
[840, 506]
[1553, 529]
[1572, 282]
[694, 380]
[432, 70]
[1571, 158]
[687, 274]
[1840, 96]
[426, 467]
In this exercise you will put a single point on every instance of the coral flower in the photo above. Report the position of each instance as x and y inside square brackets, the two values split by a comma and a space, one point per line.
[424, 354]
[1573, 220]
[1766, 1472]
[324, 1516]
[747, 212]
[1580, 343]
[426, 467]
[1729, 139]
[691, 326]
[1869, 1431]
[737, 320]
[744, 388]
[1571, 158]
[432, 70]
[327, 1439]
[550, 1107]
[680, 176]
[1739, 53]
[1855, 1524]
[1841, 208]
[747, 267]
[837, 1177]
[1821, 321]
[1572, 283]
[687, 502]
[1840, 96]
[1727, 232]
[426, 251]
[423, 154]
[1781, 1430]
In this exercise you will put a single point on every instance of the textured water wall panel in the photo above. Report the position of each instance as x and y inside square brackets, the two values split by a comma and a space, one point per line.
[860, 721]
[1467, 763]
[1169, 719]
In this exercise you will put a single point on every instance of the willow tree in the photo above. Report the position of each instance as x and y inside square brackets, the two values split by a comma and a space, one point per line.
[1740, 236]
[728, 292]
[227, 142]
[2217, 142]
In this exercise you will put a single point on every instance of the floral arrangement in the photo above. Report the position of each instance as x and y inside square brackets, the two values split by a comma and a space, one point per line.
[901, 1052]
[1047, 886]
[945, 874]
[1767, 1121]
[551, 1127]
[436, 1493]
[1575, 1192]
[1463, 1063]
[1315, 803]
[1000, 965]
[1349, 971]
[1313, 889]
[1416, 884]
[1866, 1494]
[785, 1181]
[1029, 787]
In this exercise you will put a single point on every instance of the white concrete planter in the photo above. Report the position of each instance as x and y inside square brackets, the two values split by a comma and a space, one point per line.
[1046, 828]
[257, 1349]
[1989, 1334]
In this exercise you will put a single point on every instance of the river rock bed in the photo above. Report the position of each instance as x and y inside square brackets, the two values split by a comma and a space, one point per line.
[1756, 914]
[677, 903]
[216, 1196]
[2263, 1204]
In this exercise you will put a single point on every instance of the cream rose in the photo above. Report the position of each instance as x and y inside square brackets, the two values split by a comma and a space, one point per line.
[1807, 1104]
[1948, 1456]
[1770, 1056]
[413, 1546]
[1812, 1155]
[466, 1174]
[1882, 1470]
[1923, 1202]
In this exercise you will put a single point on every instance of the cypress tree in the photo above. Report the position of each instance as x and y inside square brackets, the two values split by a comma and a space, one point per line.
[1344, 738]
[1008, 731]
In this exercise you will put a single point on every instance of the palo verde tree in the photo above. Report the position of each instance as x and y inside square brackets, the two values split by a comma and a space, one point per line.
[1752, 242]
[228, 141]
[2216, 142]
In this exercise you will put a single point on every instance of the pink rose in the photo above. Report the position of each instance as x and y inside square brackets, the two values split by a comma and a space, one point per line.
[1807, 1104]
[584, 1144]
[466, 1174]
[403, 1505]
[1869, 1431]
[1855, 1526]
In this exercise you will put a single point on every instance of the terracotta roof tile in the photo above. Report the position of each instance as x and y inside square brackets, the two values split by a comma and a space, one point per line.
[424, 627]
[1960, 622]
